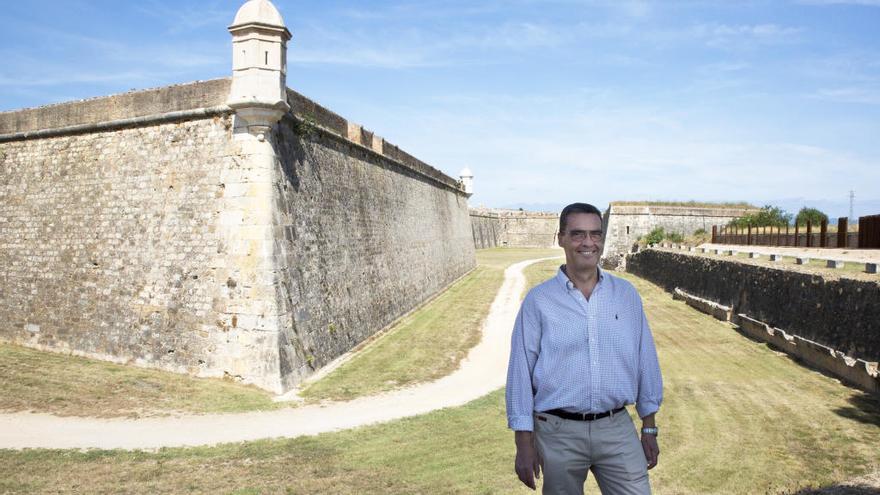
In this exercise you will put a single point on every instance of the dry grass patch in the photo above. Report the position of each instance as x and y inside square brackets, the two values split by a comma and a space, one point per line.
[74, 386]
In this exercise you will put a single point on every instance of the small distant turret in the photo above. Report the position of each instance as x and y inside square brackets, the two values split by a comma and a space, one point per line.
[467, 180]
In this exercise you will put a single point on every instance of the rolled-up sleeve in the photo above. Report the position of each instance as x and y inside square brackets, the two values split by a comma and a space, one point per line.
[523, 356]
[650, 382]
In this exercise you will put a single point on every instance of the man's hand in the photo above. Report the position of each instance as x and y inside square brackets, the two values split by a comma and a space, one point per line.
[528, 462]
[652, 450]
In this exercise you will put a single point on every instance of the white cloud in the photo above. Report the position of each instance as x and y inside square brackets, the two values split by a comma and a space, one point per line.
[744, 35]
[867, 3]
[868, 96]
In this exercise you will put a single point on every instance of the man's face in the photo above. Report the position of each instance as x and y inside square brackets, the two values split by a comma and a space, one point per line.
[582, 241]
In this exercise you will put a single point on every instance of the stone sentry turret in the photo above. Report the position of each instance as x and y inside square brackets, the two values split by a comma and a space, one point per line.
[259, 67]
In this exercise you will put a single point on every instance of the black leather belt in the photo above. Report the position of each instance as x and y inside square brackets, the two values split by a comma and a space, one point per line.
[583, 416]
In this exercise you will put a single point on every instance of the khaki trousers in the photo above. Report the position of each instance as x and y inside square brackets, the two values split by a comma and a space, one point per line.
[610, 447]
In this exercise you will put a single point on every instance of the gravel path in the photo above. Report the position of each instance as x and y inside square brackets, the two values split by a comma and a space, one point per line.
[483, 371]
[854, 255]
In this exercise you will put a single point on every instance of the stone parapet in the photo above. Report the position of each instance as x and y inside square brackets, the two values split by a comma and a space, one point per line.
[168, 99]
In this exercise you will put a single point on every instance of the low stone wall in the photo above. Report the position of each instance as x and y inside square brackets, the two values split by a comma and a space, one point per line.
[839, 315]
[513, 228]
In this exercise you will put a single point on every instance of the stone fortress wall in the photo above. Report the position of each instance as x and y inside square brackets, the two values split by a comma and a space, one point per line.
[140, 228]
[829, 322]
[624, 223]
[513, 228]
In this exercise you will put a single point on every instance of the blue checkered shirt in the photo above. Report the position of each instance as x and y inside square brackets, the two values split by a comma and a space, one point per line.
[581, 355]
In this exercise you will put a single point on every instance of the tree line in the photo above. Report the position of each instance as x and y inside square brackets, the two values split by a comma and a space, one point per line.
[774, 216]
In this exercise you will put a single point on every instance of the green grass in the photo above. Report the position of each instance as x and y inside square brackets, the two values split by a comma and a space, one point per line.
[738, 418]
[431, 342]
[74, 386]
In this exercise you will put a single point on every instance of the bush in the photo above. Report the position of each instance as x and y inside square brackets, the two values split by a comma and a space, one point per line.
[768, 216]
[675, 237]
[812, 215]
[699, 232]
[655, 236]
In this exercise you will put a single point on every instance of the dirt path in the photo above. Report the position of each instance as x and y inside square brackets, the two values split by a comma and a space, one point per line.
[850, 254]
[481, 372]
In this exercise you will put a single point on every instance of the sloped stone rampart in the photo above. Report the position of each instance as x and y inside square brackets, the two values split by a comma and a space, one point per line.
[363, 240]
[513, 228]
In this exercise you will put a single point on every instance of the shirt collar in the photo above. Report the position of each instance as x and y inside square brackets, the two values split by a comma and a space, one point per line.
[568, 284]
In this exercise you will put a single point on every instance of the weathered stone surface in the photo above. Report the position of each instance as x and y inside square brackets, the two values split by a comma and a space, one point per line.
[363, 239]
[842, 314]
[624, 224]
[109, 243]
[513, 228]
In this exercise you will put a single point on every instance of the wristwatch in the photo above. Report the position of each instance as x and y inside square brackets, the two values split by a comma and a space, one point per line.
[650, 431]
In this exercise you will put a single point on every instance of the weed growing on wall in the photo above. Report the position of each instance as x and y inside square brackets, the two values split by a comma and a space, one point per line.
[306, 125]
[655, 236]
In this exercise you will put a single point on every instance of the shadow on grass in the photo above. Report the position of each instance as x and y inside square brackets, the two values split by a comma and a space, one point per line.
[838, 490]
[865, 409]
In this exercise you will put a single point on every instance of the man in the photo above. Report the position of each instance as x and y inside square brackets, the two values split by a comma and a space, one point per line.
[581, 350]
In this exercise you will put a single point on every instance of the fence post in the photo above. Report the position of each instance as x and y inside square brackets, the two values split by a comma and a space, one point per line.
[823, 234]
[842, 232]
[714, 233]
[809, 234]
[797, 235]
[869, 232]
[749, 236]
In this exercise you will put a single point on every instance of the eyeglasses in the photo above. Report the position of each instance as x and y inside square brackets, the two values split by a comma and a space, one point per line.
[580, 235]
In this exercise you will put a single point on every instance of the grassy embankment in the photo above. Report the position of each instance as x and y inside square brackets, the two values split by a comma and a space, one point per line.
[738, 418]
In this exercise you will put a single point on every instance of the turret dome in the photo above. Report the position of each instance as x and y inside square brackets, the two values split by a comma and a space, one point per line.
[259, 12]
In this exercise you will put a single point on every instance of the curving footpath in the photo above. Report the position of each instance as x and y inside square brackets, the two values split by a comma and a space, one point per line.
[481, 372]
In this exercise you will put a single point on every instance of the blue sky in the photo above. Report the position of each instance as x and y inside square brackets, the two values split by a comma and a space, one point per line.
[548, 102]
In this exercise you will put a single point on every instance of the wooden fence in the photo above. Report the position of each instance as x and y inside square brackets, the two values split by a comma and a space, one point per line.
[867, 236]
[869, 232]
